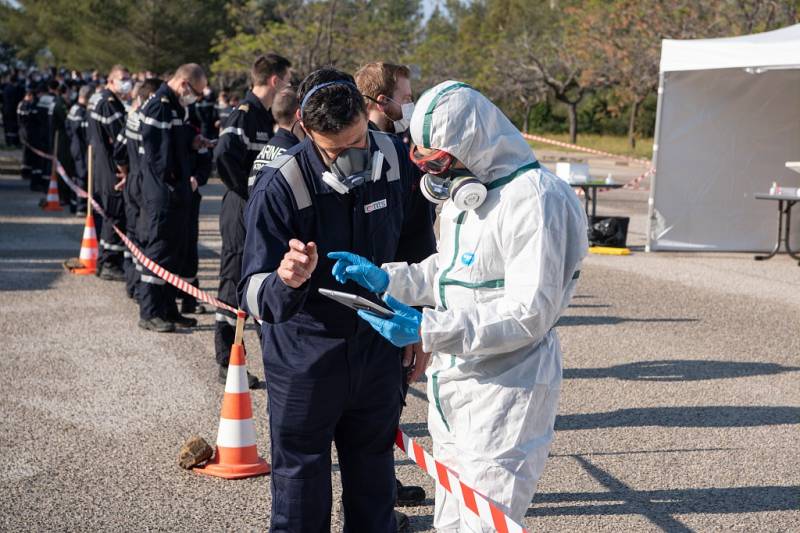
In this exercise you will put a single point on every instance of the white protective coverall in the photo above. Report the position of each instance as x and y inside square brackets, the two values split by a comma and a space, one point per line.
[502, 276]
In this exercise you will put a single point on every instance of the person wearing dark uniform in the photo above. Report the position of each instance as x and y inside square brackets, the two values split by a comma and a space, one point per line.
[205, 115]
[241, 138]
[386, 88]
[284, 112]
[330, 377]
[132, 144]
[202, 163]
[106, 122]
[166, 193]
[45, 101]
[58, 132]
[13, 93]
[223, 109]
[78, 144]
[34, 122]
[25, 118]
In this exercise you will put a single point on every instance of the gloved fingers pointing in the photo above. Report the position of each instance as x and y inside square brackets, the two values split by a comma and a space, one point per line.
[344, 256]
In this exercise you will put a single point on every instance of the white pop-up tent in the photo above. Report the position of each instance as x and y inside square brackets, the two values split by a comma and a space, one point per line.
[728, 120]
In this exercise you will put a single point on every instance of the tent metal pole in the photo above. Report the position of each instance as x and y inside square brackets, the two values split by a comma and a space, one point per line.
[656, 135]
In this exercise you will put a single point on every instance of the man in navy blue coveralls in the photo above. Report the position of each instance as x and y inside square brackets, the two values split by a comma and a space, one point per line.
[329, 376]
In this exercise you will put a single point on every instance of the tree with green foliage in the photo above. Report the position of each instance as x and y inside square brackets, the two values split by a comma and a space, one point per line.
[317, 33]
[149, 34]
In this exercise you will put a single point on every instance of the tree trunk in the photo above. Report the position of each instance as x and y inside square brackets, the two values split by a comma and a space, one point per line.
[573, 121]
[632, 123]
[526, 124]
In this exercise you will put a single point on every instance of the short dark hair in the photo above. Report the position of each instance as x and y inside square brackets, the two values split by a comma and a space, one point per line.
[116, 68]
[266, 66]
[148, 87]
[191, 72]
[332, 108]
[285, 105]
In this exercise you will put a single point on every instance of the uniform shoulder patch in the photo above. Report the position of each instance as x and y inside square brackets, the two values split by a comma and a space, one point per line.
[244, 107]
[165, 99]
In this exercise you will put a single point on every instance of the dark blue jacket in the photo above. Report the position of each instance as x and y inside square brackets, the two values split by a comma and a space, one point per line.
[243, 135]
[78, 142]
[303, 330]
[166, 138]
[106, 123]
[276, 147]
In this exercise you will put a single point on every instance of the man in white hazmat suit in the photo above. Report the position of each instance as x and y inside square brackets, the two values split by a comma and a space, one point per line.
[512, 239]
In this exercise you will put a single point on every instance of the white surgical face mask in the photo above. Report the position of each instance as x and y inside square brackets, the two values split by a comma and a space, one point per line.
[188, 99]
[124, 86]
[402, 125]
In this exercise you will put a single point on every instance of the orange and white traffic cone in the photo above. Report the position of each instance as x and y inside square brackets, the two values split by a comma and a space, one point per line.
[236, 455]
[87, 262]
[52, 203]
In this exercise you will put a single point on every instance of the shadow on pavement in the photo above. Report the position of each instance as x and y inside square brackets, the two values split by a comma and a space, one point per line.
[613, 320]
[26, 276]
[679, 370]
[658, 506]
[689, 417]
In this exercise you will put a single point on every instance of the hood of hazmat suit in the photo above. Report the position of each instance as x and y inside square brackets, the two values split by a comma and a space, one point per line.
[501, 278]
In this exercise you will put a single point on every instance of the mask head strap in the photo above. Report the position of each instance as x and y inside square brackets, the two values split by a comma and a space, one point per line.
[316, 88]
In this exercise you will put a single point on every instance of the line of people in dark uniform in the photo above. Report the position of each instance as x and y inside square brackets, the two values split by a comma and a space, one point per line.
[156, 142]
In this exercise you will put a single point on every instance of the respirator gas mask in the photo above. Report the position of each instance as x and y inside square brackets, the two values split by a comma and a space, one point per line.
[351, 168]
[441, 182]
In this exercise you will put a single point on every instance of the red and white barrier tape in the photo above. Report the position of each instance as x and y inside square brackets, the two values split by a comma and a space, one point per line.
[155, 268]
[473, 500]
[476, 502]
[539, 138]
[632, 184]
[43, 155]
[169, 277]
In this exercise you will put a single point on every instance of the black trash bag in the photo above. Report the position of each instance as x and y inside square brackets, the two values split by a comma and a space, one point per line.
[608, 231]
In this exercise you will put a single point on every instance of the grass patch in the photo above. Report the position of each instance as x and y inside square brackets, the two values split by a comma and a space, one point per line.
[607, 143]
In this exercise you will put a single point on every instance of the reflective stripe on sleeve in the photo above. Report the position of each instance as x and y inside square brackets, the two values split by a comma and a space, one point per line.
[157, 123]
[152, 280]
[251, 294]
[239, 132]
[105, 120]
[220, 317]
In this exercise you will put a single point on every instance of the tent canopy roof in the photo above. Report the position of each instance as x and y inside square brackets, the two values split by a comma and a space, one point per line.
[772, 49]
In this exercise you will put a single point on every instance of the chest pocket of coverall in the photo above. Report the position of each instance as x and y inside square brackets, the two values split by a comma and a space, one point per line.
[381, 212]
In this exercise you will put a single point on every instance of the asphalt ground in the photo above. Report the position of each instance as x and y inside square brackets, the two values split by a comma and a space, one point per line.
[679, 410]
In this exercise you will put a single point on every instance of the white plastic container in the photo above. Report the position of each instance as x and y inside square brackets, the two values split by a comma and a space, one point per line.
[573, 172]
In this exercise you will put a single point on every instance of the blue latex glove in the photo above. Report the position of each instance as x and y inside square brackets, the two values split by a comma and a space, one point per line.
[402, 329]
[359, 269]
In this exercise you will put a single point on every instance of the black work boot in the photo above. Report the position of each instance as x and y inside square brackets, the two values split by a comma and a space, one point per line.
[112, 273]
[402, 522]
[157, 324]
[189, 307]
[182, 321]
[409, 495]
